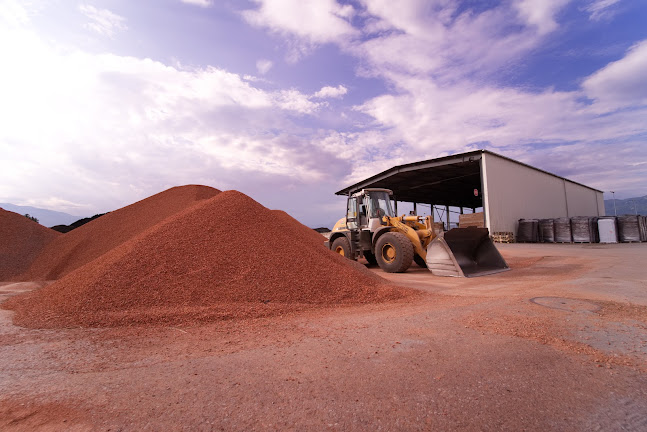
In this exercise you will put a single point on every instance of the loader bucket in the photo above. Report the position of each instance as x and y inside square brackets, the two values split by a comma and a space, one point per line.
[464, 252]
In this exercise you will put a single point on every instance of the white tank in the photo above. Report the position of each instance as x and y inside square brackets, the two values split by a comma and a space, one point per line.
[607, 230]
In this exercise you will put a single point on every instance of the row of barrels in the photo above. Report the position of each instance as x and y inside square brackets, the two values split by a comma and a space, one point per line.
[584, 229]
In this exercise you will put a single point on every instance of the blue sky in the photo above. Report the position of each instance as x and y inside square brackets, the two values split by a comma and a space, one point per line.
[107, 102]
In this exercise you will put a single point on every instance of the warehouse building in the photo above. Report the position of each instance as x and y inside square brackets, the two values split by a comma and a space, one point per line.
[506, 190]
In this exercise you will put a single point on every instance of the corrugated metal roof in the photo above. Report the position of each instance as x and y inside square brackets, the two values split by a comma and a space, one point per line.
[448, 180]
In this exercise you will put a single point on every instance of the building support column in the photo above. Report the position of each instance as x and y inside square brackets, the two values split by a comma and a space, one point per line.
[565, 198]
[484, 193]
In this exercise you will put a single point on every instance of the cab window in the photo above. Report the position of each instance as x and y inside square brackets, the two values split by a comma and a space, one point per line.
[352, 208]
[380, 205]
[351, 214]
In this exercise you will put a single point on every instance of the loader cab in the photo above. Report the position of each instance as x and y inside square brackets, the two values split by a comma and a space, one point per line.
[366, 209]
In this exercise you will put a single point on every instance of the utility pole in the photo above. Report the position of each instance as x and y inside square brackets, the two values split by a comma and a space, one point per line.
[635, 209]
[615, 211]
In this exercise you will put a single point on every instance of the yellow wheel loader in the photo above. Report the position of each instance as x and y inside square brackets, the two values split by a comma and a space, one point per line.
[372, 230]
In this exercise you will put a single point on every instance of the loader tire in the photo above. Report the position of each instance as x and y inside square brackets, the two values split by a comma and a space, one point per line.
[394, 252]
[370, 258]
[341, 245]
[418, 259]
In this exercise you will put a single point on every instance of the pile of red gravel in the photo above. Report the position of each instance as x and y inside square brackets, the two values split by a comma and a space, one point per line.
[315, 237]
[21, 240]
[86, 243]
[225, 258]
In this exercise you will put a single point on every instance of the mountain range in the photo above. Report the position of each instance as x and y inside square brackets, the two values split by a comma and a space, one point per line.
[630, 206]
[48, 218]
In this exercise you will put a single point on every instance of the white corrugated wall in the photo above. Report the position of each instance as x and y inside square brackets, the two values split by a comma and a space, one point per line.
[513, 191]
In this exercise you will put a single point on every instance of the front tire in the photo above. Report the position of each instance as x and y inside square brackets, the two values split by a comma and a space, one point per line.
[394, 252]
[341, 246]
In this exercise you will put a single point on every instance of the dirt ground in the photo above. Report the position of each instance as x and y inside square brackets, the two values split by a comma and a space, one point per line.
[557, 343]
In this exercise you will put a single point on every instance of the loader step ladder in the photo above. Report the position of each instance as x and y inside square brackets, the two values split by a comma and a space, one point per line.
[354, 243]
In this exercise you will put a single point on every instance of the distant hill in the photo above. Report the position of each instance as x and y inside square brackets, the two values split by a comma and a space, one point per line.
[626, 206]
[67, 228]
[48, 218]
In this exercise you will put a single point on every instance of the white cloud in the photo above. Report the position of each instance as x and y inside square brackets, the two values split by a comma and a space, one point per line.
[13, 13]
[414, 17]
[412, 35]
[417, 36]
[449, 118]
[119, 127]
[374, 148]
[434, 39]
[621, 83]
[58, 204]
[316, 21]
[540, 14]
[263, 66]
[594, 163]
[102, 21]
[102, 128]
[600, 9]
[331, 92]
[296, 101]
[201, 3]
[439, 66]
[430, 120]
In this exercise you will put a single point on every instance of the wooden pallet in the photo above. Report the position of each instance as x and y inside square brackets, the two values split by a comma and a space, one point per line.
[502, 237]
[471, 219]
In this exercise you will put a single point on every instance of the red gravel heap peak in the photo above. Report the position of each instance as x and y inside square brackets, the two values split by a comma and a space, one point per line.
[227, 257]
[21, 240]
[88, 242]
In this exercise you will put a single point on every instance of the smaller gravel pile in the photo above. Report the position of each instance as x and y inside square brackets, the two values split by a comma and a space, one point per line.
[226, 258]
[21, 240]
[88, 242]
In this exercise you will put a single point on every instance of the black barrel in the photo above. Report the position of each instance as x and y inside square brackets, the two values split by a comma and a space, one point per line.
[546, 230]
[595, 234]
[528, 231]
[563, 230]
[643, 228]
[581, 229]
[628, 228]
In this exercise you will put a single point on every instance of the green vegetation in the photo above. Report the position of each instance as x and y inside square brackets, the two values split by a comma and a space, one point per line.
[31, 217]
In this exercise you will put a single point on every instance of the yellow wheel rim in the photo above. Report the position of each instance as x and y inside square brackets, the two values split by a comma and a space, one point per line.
[340, 250]
[388, 252]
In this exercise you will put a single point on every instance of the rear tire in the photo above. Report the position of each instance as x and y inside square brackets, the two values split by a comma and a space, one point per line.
[394, 252]
[341, 245]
